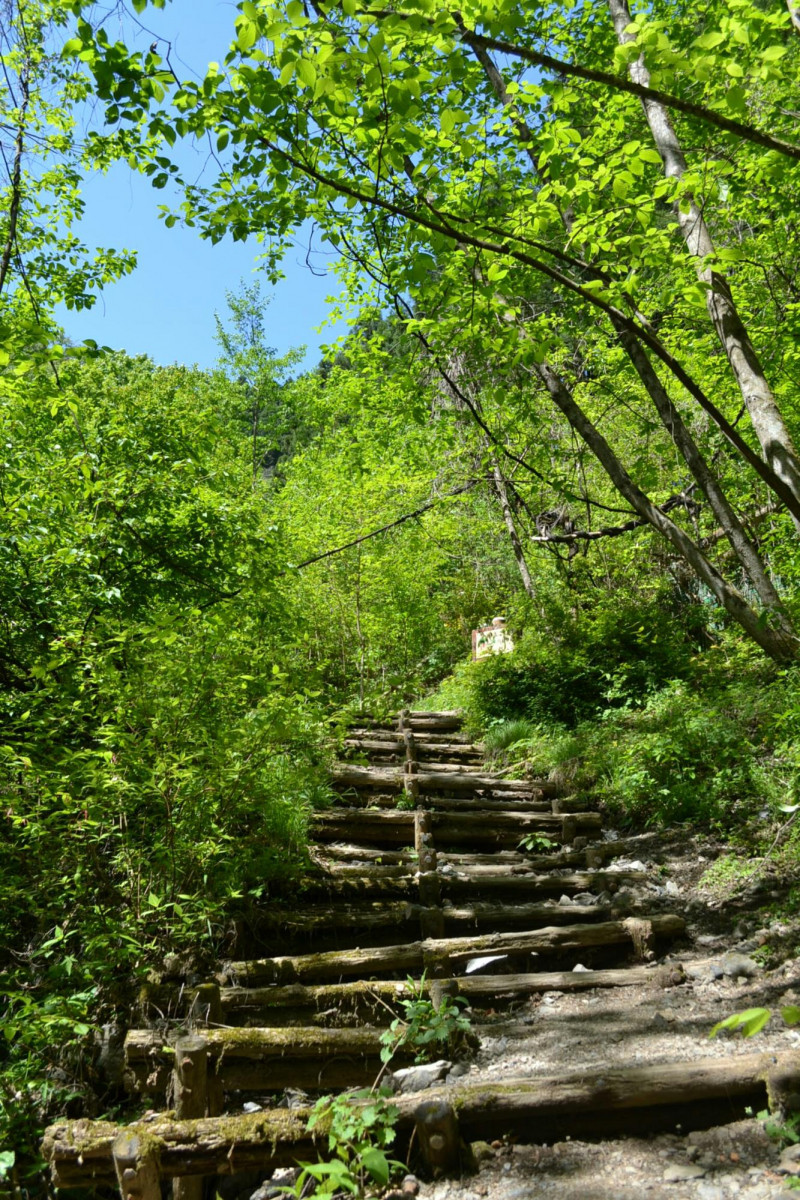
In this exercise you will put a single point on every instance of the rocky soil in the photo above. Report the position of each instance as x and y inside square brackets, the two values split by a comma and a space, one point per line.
[733, 933]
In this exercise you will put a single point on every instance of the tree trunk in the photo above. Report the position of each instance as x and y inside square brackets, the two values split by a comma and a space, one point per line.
[508, 518]
[768, 423]
[706, 479]
[772, 641]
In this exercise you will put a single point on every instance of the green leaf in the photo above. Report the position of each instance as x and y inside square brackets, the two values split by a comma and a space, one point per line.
[709, 40]
[791, 1014]
[621, 187]
[247, 34]
[377, 1164]
[735, 98]
[306, 72]
[748, 1022]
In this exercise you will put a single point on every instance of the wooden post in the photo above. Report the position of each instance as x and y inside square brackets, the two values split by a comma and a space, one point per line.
[437, 1131]
[596, 855]
[643, 937]
[411, 767]
[430, 891]
[423, 842]
[441, 988]
[190, 1081]
[136, 1168]
[206, 1006]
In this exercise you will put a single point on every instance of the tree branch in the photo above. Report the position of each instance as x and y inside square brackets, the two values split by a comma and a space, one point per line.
[384, 528]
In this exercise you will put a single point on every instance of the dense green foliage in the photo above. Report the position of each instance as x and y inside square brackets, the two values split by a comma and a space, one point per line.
[558, 402]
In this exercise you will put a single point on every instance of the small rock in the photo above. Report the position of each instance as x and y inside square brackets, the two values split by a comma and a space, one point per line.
[671, 888]
[580, 969]
[416, 1079]
[790, 1161]
[481, 1152]
[458, 1071]
[250, 1106]
[410, 1185]
[682, 1172]
[739, 966]
[265, 1192]
[565, 899]
[707, 1191]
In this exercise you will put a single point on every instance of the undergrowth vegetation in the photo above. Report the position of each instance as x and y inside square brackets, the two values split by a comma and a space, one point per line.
[715, 743]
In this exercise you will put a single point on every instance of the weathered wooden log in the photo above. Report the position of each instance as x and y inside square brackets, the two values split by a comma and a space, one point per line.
[347, 775]
[437, 1131]
[254, 1045]
[190, 1076]
[445, 751]
[310, 968]
[81, 1152]
[205, 1007]
[505, 829]
[190, 1090]
[484, 987]
[443, 767]
[262, 1059]
[135, 1164]
[427, 737]
[347, 852]
[525, 884]
[316, 918]
[393, 745]
[479, 914]
[452, 781]
[512, 859]
[435, 722]
[457, 804]
[360, 997]
[380, 828]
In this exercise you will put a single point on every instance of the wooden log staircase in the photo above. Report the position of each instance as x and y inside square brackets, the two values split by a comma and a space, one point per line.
[429, 867]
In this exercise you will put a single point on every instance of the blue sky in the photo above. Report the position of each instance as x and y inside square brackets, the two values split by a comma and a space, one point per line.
[166, 307]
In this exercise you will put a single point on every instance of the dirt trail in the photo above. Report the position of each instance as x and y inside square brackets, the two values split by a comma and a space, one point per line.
[593, 967]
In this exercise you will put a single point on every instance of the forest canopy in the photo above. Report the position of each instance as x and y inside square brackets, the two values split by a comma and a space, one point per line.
[567, 239]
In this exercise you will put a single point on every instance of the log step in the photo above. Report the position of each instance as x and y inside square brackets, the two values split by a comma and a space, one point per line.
[351, 921]
[570, 1104]
[378, 1001]
[337, 999]
[387, 779]
[415, 956]
[261, 1060]
[345, 884]
[505, 828]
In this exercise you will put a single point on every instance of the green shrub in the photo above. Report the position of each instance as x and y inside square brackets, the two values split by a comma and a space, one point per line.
[507, 734]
